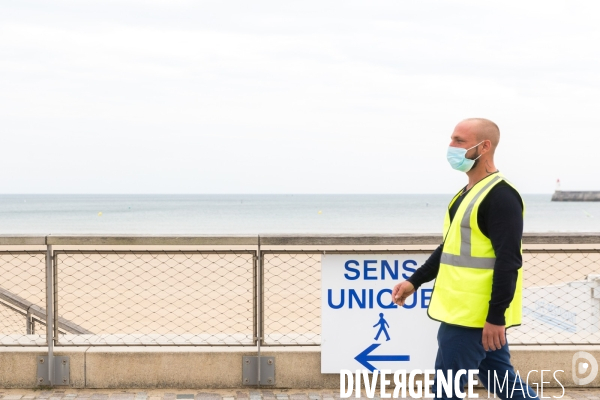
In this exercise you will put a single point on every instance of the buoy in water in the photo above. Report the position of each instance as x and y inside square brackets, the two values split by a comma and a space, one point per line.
[100, 214]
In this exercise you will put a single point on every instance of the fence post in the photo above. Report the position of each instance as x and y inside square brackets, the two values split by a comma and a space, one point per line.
[50, 312]
[257, 370]
[54, 297]
[259, 309]
[51, 370]
[45, 364]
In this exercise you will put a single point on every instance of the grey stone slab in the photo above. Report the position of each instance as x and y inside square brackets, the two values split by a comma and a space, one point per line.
[185, 396]
[12, 397]
[241, 395]
[208, 396]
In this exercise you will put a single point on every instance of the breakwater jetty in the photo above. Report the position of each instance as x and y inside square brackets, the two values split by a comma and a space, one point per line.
[561, 195]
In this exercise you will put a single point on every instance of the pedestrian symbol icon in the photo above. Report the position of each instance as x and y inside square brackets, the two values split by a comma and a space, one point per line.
[382, 327]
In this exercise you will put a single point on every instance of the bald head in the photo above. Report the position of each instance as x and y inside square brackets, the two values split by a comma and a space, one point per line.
[484, 129]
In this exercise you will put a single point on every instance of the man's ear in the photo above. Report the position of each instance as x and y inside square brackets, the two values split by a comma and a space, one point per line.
[487, 145]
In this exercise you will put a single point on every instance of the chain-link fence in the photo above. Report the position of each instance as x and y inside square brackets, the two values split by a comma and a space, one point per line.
[292, 298]
[561, 297]
[22, 298]
[226, 297]
[156, 297]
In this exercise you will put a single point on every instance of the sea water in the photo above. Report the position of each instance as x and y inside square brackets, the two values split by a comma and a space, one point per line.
[261, 214]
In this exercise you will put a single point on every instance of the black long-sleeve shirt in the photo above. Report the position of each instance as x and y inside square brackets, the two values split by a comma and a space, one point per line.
[500, 218]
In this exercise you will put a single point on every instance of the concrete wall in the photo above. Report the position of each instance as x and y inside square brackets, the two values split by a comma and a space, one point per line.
[221, 367]
[575, 196]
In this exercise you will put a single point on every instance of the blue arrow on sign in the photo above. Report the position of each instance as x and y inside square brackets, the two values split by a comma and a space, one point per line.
[366, 356]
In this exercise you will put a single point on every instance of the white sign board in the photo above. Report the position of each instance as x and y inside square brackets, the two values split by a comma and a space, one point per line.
[361, 327]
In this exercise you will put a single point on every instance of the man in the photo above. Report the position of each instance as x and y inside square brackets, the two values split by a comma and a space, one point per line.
[477, 293]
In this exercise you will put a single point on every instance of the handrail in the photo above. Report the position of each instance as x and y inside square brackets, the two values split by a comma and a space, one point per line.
[39, 312]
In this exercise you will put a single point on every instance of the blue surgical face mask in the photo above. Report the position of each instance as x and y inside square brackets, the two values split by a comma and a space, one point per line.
[458, 161]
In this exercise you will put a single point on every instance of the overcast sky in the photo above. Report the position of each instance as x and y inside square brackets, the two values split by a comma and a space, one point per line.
[293, 96]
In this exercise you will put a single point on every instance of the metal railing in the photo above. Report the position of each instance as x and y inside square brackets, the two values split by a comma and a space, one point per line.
[246, 290]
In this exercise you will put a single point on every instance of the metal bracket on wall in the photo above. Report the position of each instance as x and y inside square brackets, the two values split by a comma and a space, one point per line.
[61, 371]
[250, 365]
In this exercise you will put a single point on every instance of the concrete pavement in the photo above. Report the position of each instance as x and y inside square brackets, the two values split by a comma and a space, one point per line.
[254, 394]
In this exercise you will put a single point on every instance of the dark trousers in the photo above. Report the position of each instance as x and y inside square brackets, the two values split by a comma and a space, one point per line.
[461, 348]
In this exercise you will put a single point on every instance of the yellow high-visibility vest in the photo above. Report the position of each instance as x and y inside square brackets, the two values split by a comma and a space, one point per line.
[463, 287]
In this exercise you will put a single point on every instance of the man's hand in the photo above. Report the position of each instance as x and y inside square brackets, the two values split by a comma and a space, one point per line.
[494, 336]
[401, 292]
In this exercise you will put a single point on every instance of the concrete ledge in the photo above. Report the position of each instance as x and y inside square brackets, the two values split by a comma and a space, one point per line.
[22, 240]
[350, 240]
[221, 367]
[143, 240]
[561, 238]
[276, 240]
